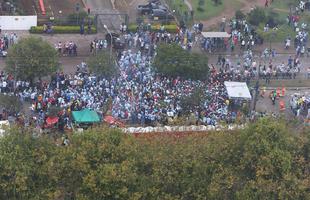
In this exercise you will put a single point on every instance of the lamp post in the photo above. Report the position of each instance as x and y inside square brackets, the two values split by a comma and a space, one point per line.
[271, 37]
[111, 40]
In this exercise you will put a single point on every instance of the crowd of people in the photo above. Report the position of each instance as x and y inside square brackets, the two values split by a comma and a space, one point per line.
[5, 41]
[140, 96]
[300, 105]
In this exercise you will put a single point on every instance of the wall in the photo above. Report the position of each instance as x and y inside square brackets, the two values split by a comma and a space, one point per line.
[17, 22]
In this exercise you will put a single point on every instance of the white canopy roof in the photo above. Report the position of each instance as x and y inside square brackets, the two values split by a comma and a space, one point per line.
[215, 34]
[237, 90]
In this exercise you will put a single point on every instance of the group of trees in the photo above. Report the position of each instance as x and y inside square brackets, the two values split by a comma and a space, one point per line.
[32, 58]
[266, 160]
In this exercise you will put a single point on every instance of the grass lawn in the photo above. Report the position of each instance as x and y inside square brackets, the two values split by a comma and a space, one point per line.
[284, 4]
[210, 10]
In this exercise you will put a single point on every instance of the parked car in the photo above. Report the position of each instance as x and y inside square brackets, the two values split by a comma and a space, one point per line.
[145, 9]
[161, 14]
[148, 8]
[116, 42]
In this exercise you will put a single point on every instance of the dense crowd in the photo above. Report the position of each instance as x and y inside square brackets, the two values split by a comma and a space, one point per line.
[300, 105]
[138, 95]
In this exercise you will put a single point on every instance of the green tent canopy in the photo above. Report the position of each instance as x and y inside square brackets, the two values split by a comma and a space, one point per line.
[85, 116]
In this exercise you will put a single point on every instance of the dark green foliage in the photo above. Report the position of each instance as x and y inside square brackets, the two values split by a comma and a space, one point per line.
[239, 15]
[257, 16]
[32, 58]
[200, 9]
[266, 160]
[217, 2]
[171, 60]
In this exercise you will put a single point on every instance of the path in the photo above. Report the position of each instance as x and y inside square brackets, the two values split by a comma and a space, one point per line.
[109, 15]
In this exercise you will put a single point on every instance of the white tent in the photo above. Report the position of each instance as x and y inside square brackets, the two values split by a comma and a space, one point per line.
[237, 90]
[3, 124]
[215, 34]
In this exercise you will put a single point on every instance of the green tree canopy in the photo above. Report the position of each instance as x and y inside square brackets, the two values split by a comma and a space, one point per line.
[171, 60]
[103, 64]
[31, 58]
[265, 160]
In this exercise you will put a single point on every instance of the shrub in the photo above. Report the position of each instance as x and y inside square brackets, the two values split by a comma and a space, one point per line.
[61, 29]
[200, 9]
[257, 16]
[172, 28]
[273, 19]
[239, 15]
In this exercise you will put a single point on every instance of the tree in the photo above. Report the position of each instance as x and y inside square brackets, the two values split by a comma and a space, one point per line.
[257, 16]
[171, 60]
[103, 64]
[265, 160]
[31, 58]
[23, 165]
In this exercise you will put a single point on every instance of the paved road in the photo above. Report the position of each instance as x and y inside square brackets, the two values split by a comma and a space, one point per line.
[108, 16]
[98, 4]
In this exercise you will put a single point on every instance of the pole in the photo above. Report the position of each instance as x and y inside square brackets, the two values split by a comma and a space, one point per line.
[111, 41]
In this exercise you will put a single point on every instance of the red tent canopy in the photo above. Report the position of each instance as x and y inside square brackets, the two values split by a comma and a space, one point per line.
[51, 120]
[112, 121]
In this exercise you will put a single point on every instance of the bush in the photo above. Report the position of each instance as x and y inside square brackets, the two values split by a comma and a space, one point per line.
[172, 28]
[257, 16]
[61, 29]
[273, 19]
[239, 15]
[200, 9]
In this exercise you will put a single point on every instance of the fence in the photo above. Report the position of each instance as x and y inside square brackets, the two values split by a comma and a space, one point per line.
[71, 20]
